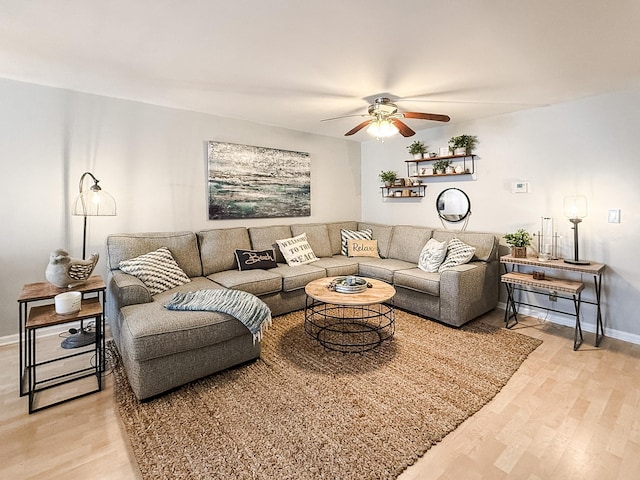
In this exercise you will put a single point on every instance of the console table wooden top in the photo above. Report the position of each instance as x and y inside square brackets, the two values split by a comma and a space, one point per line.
[593, 268]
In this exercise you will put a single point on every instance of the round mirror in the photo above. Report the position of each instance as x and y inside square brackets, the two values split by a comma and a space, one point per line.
[453, 205]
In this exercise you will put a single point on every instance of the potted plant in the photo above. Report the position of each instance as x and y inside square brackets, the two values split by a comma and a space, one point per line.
[388, 177]
[463, 144]
[440, 166]
[417, 149]
[518, 241]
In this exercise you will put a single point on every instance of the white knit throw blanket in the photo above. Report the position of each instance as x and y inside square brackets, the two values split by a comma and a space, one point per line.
[246, 307]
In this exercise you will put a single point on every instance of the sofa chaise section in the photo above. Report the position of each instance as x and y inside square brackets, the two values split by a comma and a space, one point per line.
[163, 349]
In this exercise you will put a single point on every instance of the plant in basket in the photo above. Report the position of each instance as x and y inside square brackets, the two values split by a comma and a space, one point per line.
[518, 241]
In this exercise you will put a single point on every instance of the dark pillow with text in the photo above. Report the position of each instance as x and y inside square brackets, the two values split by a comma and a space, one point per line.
[256, 259]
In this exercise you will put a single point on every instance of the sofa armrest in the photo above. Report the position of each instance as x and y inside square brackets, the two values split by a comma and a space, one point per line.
[469, 290]
[124, 289]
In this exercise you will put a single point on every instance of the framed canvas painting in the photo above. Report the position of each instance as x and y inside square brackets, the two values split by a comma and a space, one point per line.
[247, 181]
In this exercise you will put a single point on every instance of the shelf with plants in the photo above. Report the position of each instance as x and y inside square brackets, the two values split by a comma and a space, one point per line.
[465, 162]
[414, 191]
[460, 162]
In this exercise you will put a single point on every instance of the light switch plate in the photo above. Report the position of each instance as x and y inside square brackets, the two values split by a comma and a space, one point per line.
[613, 216]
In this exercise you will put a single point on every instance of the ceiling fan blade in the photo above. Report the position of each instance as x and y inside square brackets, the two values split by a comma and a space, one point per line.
[344, 116]
[357, 128]
[427, 116]
[404, 129]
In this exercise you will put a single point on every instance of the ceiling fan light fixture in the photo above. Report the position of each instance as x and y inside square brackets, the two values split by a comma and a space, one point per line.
[382, 128]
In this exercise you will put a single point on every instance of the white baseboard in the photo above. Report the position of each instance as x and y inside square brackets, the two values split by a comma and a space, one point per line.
[569, 321]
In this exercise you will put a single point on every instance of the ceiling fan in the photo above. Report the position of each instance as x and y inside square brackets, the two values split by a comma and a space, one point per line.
[385, 120]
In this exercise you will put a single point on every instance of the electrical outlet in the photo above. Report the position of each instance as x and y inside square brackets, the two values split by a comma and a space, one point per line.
[553, 297]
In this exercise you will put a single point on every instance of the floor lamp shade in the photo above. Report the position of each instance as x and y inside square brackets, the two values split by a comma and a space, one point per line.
[94, 202]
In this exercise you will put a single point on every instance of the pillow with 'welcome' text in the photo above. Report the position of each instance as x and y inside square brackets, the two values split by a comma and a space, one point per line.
[297, 251]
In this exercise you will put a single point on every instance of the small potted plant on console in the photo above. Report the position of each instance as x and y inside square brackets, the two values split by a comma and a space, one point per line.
[518, 241]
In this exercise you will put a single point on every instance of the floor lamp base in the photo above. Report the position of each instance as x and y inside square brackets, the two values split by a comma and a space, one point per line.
[577, 262]
[80, 339]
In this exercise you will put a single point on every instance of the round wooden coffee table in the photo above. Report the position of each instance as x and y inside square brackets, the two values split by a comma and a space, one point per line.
[349, 322]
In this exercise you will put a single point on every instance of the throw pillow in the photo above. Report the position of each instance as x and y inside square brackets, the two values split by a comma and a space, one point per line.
[458, 253]
[432, 255]
[256, 259]
[158, 270]
[345, 235]
[362, 248]
[297, 251]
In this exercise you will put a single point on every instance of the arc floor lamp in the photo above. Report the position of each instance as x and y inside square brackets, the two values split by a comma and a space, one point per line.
[93, 202]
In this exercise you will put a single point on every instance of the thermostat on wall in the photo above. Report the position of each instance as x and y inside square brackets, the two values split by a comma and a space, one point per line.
[519, 187]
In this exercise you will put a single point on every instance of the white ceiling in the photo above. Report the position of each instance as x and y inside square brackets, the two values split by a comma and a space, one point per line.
[292, 63]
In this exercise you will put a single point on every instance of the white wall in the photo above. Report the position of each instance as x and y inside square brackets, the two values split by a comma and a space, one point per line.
[151, 159]
[588, 147]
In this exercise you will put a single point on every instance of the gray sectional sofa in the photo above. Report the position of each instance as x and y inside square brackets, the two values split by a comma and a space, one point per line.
[163, 349]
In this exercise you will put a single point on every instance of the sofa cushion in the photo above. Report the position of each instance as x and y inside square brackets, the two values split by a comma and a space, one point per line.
[295, 278]
[258, 282]
[345, 235]
[317, 236]
[362, 248]
[338, 265]
[458, 253]
[432, 255]
[486, 243]
[335, 237]
[296, 250]
[256, 259]
[382, 268]
[382, 233]
[218, 246]
[418, 280]
[407, 242]
[157, 270]
[263, 238]
[183, 247]
[150, 331]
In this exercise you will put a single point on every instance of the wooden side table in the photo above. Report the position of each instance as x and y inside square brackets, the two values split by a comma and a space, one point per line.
[514, 280]
[46, 316]
[32, 318]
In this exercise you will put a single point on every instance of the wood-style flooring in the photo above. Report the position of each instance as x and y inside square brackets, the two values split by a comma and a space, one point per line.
[563, 415]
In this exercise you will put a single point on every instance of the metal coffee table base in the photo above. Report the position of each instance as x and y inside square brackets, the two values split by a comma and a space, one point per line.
[349, 329]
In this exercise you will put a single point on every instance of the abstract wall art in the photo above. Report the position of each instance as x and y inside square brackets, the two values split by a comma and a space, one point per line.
[246, 181]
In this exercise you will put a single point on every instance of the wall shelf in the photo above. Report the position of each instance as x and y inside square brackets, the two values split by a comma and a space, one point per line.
[466, 161]
[415, 191]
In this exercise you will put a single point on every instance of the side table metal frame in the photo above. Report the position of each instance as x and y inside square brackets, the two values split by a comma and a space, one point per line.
[44, 291]
[36, 385]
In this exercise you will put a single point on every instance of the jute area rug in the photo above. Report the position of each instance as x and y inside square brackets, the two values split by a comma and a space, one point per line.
[301, 412]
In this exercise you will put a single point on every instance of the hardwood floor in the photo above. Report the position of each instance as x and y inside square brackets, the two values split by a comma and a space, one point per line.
[563, 415]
